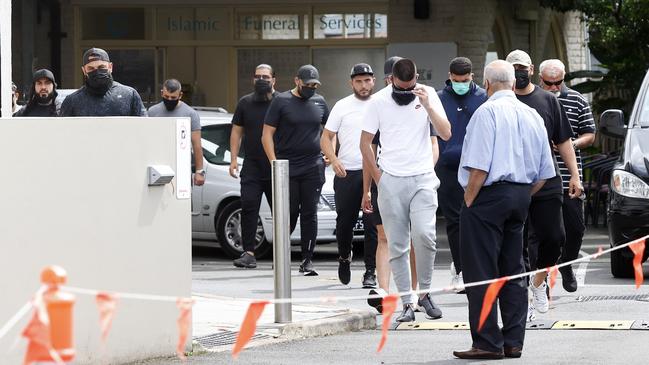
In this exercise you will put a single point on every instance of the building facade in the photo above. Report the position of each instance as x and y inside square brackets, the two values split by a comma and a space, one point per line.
[213, 46]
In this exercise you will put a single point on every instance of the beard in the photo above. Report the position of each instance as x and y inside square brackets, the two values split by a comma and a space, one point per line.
[362, 97]
[44, 99]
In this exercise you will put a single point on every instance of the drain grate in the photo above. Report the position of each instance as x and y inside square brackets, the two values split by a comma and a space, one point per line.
[593, 298]
[224, 338]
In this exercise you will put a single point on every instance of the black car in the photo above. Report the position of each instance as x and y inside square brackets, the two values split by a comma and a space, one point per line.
[628, 209]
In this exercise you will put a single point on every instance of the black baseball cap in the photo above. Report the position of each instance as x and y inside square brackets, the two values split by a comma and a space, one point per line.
[308, 74]
[43, 73]
[95, 54]
[361, 69]
[389, 63]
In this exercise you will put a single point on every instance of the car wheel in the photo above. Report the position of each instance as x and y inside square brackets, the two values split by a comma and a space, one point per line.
[621, 267]
[228, 232]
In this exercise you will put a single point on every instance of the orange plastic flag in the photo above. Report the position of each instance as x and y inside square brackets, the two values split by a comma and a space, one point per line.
[184, 320]
[255, 309]
[389, 306]
[552, 271]
[107, 303]
[638, 251]
[600, 251]
[489, 299]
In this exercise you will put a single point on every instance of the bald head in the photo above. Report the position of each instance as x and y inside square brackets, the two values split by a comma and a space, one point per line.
[500, 76]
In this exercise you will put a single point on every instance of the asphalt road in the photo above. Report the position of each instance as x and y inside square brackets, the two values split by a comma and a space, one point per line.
[600, 298]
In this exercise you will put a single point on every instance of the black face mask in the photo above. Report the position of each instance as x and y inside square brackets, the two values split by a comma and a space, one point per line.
[99, 80]
[403, 96]
[522, 79]
[170, 104]
[263, 86]
[306, 92]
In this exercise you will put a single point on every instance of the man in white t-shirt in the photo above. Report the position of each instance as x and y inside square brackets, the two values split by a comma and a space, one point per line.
[407, 183]
[345, 121]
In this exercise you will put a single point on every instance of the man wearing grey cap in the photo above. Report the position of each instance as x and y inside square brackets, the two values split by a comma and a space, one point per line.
[297, 117]
[101, 96]
[42, 99]
[545, 217]
[344, 123]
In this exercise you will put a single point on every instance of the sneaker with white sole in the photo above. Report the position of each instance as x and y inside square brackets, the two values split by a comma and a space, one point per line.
[457, 283]
[531, 316]
[540, 297]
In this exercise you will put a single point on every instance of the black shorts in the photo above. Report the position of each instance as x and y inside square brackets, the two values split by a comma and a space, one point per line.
[376, 215]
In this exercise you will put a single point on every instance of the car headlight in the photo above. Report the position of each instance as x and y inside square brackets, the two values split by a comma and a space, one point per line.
[629, 185]
[323, 204]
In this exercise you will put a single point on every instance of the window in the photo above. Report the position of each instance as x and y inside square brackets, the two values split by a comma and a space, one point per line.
[216, 144]
[135, 68]
[115, 23]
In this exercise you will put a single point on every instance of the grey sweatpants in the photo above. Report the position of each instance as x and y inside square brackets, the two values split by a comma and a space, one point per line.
[408, 205]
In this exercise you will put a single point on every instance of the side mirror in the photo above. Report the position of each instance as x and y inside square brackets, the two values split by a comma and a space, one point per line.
[611, 123]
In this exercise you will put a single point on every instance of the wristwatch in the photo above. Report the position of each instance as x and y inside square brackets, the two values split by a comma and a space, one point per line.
[201, 172]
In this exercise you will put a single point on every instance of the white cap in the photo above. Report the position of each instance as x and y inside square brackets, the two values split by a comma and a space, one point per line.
[518, 57]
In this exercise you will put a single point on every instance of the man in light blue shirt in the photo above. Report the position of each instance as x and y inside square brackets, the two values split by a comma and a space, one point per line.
[505, 159]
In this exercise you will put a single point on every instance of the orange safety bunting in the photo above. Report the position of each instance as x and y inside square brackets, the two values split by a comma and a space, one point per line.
[255, 309]
[552, 271]
[638, 251]
[106, 303]
[490, 298]
[184, 320]
[389, 306]
[600, 251]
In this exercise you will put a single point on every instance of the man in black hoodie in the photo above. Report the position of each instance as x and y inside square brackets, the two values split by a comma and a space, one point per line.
[101, 96]
[42, 100]
[460, 98]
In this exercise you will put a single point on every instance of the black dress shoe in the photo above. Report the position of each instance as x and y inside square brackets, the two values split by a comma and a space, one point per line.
[514, 352]
[568, 279]
[407, 315]
[475, 353]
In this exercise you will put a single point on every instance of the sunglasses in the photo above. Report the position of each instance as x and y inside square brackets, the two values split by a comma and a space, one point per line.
[398, 90]
[550, 83]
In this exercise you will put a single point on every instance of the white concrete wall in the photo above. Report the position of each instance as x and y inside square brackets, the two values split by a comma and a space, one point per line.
[74, 193]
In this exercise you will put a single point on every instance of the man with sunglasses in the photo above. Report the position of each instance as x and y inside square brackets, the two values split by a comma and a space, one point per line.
[545, 218]
[553, 72]
[407, 184]
[297, 117]
[247, 124]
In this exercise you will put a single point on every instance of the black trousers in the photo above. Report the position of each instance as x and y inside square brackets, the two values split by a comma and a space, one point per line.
[573, 221]
[349, 194]
[255, 181]
[304, 194]
[491, 239]
[451, 196]
[545, 235]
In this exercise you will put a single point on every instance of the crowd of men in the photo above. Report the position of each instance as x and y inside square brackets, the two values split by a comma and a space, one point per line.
[500, 161]
[503, 159]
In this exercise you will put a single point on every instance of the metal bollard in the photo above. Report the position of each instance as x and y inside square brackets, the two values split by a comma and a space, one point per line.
[281, 240]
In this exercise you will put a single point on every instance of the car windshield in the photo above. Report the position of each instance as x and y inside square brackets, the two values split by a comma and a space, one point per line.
[216, 144]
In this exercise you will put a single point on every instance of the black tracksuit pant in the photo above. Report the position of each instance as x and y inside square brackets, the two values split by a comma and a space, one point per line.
[255, 181]
[304, 194]
[545, 235]
[349, 194]
[451, 196]
[491, 238]
[573, 221]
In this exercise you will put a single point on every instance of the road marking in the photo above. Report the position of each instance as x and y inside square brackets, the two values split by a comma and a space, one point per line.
[592, 325]
[581, 271]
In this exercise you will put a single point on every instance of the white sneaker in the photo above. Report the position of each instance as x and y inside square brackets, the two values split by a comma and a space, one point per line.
[530, 313]
[540, 297]
[457, 282]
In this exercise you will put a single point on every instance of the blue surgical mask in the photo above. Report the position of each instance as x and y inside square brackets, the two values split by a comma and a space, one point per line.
[461, 88]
